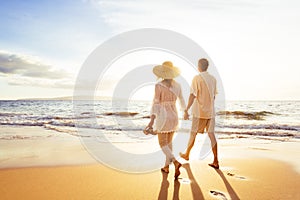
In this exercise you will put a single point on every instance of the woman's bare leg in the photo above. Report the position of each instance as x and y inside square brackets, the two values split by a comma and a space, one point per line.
[165, 144]
[170, 145]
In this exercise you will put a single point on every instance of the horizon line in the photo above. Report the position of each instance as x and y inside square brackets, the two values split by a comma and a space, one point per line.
[97, 98]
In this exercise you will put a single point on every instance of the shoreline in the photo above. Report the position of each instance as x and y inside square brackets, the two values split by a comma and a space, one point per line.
[36, 146]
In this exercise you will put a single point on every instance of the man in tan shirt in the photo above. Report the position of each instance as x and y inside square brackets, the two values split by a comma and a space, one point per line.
[202, 96]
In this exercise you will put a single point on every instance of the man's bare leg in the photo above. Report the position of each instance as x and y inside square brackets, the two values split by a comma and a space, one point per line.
[191, 143]
[214, 147]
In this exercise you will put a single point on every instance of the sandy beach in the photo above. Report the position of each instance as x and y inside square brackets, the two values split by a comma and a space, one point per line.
[58, 167]
[83, 82]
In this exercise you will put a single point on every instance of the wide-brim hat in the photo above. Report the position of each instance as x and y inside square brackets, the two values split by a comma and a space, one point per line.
[166, 70]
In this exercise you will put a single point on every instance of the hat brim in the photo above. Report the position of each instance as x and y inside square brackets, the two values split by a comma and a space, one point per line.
[166, 72]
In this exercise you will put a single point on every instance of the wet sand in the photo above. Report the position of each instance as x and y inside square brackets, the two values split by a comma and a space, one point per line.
[56, 168]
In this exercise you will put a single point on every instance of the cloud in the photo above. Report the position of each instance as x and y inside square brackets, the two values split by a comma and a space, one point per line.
[24, 66]
[237, 34]
[194, 15]
[132, 14]
[25, 70]
[39, 82]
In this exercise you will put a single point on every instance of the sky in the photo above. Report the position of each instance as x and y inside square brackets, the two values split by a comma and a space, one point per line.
[254, 44]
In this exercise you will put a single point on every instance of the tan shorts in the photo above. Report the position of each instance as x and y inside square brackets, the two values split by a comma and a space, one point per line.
[200, 125]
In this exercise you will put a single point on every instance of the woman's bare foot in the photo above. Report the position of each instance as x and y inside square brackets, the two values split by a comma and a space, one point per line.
[177, 171]
[165, 169]
[184, 156]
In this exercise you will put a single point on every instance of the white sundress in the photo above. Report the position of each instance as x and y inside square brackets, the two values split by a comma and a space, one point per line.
[164, 107]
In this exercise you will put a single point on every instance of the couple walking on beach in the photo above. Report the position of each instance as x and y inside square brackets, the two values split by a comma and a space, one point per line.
[164, 115]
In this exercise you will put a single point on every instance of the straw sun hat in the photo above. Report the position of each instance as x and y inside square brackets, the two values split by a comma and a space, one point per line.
[166, 70]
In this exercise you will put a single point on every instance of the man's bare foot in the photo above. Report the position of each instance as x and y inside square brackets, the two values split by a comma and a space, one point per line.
[184, 156]
[177, 171]
[165, 169]
[214, 165]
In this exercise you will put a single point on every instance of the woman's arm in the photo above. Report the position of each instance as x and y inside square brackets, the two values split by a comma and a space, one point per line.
[155, 106]
[181, 100]
[152, 118]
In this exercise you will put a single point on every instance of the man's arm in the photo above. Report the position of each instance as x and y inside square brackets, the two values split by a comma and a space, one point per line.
[190, 103]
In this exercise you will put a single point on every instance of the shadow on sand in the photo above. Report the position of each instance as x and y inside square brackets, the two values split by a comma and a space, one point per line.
[196, 191]
[230, 190]
[163, 194]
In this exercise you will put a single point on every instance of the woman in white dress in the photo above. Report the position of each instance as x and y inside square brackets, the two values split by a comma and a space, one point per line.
[164, 111]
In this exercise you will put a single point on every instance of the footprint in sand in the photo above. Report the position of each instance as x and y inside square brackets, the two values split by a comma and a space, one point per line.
[218, 194]
[239, 177]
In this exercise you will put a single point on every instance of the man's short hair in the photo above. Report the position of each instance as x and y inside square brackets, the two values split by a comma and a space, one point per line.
[204, 64]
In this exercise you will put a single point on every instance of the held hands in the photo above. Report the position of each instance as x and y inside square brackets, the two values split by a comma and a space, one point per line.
[186, 115]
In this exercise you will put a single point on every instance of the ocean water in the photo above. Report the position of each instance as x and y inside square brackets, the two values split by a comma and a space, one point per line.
[239, 118]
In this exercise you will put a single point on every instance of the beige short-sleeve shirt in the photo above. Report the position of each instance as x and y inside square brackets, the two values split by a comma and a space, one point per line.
[204, 88]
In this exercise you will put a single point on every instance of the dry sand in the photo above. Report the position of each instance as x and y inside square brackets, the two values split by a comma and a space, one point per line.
[237, 179]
